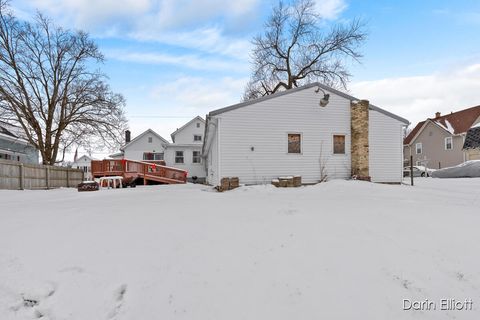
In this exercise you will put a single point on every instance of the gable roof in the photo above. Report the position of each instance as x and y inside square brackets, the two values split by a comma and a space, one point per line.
[184, 126]
[141, 135]
[7, 132]
[308, 86]
[472, 140]
[12, 132]
[456, 122]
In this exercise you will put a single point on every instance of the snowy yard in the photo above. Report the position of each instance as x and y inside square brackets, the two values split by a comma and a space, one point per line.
[338, 250]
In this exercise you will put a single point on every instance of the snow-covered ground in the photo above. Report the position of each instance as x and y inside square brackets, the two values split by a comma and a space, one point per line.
[338, 250]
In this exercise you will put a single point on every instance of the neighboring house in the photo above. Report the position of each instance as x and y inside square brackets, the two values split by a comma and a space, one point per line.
[288, 134]
[184, 153]
[471, 146]
[84, 163]
[13, 147]
[147, 146]
[438, 142]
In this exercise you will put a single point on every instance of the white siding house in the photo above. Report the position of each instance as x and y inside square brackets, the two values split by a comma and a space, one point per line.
[184, 153]
[250, 140]
[84, 163]
[186, 150]
[147, 146]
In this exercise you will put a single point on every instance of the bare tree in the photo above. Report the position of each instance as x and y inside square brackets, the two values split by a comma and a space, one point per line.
[295, 50]
[49, 87]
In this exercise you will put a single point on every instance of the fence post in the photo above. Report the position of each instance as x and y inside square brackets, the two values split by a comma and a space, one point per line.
[68, 178]
[21, 176]
[47, 177]
[411, 170]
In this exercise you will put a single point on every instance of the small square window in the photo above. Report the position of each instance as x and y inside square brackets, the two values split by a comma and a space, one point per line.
[179, 157]
[198, 124]
[197, 137]
[150, 139]
[338, 144]
[294, 143]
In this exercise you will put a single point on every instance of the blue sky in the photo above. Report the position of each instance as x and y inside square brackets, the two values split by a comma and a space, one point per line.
[175, 59]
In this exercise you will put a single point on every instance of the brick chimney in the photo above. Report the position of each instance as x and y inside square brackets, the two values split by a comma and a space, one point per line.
[359, 140]
[127, 136]
[437, 114]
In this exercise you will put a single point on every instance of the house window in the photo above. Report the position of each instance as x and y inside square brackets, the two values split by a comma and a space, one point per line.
[150, 139]
[196, 157]
[197, 137]
[338, 144]
[198, 124]
[179, 157]
[419, 148]
[153, 156]
[294, 143]
[448, 143]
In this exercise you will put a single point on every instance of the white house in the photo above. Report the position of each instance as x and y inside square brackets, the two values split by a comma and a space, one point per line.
[84, 163]
[14, 147]
[186, 149]
[184, 153]
[147, 146]
[289, 133]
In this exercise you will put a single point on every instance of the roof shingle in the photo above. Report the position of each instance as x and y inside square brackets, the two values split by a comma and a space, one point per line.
[460, 121]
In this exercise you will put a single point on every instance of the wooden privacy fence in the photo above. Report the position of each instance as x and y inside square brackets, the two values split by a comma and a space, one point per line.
[18, 176]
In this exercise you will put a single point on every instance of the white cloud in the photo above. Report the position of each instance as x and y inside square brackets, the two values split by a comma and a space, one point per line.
[208, 40]
[174, 103]
[189, 61]
[164, 21]
[418, 98]
[330, 9]
[92, 14]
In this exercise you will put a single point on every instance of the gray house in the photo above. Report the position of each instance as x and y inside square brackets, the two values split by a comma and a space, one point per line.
[438, 142]
[13, 147]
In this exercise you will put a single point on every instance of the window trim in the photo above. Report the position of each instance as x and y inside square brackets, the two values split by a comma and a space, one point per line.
[301, 143]
[197, 135]
[344, 142]
[199, 157]
[154, 153]
[182, 156]
[451, 143]
[416, 148]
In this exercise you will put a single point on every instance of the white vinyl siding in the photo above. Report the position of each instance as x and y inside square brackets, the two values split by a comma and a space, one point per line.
[191, 133]
[385, 136]
[263, 127]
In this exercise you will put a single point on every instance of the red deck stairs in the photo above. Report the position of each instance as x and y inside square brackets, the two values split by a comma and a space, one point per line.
[131, 170]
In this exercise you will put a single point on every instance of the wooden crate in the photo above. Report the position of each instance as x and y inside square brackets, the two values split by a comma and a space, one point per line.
[297, 181]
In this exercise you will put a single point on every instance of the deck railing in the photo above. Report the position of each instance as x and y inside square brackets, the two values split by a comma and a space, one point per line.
[132, 168]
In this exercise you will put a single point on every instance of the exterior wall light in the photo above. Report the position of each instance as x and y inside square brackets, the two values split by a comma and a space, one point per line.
[324, 101]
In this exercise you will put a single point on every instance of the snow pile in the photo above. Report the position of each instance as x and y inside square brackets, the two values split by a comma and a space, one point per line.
[447, 126]
[467, 169]
[338, 250]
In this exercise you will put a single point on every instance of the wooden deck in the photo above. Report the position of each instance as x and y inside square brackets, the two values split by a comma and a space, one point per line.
[131, 170]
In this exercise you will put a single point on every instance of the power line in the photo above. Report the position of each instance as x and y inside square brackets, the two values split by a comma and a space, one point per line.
[165, 117]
